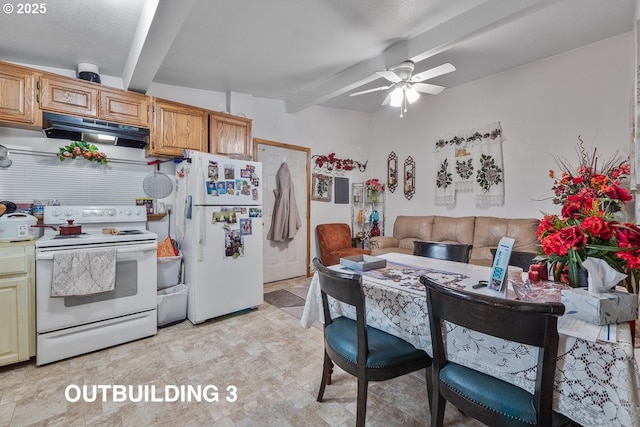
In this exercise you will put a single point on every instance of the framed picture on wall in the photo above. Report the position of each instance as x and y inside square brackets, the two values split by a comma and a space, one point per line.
[321, 187]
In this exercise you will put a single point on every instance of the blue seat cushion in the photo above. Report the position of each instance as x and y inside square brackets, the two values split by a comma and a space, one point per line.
[384, 349]
[507, 399]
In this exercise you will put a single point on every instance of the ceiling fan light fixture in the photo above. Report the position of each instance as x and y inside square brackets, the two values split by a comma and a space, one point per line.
[412, 95]
[396, 97]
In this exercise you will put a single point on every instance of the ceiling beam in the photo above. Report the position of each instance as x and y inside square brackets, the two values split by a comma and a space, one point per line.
[157, 29]
[477, 20]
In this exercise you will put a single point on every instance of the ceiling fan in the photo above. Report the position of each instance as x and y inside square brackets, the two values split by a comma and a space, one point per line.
[407, 88]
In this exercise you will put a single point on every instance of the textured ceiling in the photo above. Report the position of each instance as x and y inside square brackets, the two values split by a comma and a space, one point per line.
[305, 52]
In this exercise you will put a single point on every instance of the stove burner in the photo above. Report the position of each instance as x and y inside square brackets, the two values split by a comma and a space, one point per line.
[127, 232]
[68, 236]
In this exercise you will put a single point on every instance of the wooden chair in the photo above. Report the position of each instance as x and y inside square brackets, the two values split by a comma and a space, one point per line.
[334, 242]
[363, 351]
[476, 394]
[441, 250]
[518, 258]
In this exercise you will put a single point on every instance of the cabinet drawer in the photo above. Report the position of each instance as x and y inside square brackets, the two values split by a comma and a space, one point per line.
[12, 262]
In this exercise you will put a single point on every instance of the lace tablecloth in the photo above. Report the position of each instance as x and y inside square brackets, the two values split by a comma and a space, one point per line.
[597, 384]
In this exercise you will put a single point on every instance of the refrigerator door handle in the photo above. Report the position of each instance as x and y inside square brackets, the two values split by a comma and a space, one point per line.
[200, 230]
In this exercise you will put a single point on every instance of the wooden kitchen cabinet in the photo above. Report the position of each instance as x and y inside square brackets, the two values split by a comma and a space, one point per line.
[18, 96]
[229, 134]
[175, 127]
[17, 302]
[124, 107]
[71, 96]
[80, 98]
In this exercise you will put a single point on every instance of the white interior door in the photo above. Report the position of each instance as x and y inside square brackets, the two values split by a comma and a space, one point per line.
[284, 260]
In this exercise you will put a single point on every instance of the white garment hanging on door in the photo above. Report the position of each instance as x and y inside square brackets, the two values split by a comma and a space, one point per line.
[285, 220]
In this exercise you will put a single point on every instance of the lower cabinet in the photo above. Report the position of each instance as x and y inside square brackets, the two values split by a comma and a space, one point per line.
[17, 302]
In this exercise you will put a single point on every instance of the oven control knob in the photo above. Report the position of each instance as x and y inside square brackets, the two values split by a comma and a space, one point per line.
[68, 213]
[127, 212]
[138, 212]
[56, 213]
[112, 212]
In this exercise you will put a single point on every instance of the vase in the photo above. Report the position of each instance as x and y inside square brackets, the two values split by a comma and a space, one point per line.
[582, 280]
[374, 196]
[375, 230]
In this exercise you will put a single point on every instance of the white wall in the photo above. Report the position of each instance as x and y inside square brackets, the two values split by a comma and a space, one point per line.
[542, 107]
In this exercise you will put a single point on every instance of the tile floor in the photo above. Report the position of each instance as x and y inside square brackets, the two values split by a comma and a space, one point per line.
[273, 362]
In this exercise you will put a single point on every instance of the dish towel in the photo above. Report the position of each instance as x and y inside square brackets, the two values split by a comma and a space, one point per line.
[83, 272]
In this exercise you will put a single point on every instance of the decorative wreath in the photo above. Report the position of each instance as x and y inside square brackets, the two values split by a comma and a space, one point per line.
[82, 149]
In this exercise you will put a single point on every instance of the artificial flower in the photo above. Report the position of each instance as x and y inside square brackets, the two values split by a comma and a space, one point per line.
[587, 226]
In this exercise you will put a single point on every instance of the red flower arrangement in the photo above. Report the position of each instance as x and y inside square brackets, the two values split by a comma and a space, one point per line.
[587, 227]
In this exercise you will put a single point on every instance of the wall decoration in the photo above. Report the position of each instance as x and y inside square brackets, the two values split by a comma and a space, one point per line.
[409, 177]
[341, 191]
[321, 186]
[333, 165]
[82, 150]
[470, 161]
[392, 171]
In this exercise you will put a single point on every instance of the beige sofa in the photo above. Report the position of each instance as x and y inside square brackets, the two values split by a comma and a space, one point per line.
[482, 232]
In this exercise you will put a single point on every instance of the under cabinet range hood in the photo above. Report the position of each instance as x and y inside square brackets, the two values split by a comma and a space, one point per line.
[61, 126]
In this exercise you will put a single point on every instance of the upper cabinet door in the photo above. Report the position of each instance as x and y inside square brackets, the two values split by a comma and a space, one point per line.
[175, 127]
[17, 96]
[64, 95]
[124, 107]
[229, 134]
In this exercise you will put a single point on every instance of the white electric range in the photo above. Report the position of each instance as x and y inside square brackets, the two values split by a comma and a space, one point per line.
[77, 324]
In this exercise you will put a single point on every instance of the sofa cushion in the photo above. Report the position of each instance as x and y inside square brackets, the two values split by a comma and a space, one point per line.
[489, 231]
[413, 227]
[453, 229]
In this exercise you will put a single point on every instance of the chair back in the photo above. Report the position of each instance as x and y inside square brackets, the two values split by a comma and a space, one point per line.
[440, 250]
[331, 237]
[346, 288]
[528, 323]
[518, 258]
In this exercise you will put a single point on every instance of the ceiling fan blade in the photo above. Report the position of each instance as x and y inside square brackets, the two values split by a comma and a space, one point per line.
[389, 75]
[377, 89]
[427, 88]
[387, 100]
[433, 72]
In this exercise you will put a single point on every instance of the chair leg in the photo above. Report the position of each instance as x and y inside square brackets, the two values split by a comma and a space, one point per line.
[361, 411]
[326, 375]
[437, 405]
[429, 375]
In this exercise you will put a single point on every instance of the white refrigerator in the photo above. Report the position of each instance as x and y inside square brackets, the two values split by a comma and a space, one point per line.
[219, 229]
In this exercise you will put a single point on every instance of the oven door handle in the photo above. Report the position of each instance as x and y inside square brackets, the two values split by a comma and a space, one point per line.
[132, 249]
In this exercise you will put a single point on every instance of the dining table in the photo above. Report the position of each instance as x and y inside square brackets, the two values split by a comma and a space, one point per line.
[597, 383]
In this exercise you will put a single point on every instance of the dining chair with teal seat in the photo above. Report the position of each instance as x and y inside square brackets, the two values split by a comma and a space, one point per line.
[361, 350]
[477, 394]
